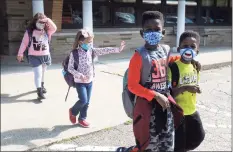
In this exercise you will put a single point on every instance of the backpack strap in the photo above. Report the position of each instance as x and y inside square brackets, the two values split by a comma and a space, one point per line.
[175, 74]
[76, 58]
[146, 64]
[48, 36]
[164, 49]
[30, 37]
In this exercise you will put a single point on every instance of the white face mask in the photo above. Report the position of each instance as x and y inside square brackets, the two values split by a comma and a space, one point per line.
[40, 26]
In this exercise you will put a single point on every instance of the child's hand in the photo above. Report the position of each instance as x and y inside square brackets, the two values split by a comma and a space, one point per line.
[197, 65]
[122, 45]
[84, 78]
[44, 20]
[162, 100]
[193, 89]
[20, 58]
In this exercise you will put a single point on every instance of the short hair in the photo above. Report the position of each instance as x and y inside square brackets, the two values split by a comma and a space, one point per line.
[186, 34]
[148, 15]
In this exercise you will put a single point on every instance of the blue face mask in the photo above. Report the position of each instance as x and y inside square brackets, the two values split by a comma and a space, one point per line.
[152, 38]
[86, 47]
[187, 54]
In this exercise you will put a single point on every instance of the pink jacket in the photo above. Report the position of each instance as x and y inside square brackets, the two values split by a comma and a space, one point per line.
[39, 45]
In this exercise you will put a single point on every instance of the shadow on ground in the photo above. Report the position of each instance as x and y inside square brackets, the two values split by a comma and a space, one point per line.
[7, 99]
[26, 135]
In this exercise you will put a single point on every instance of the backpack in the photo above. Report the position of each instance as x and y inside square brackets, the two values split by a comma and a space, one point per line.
[69, 78]
[25, 53]
[128, 97]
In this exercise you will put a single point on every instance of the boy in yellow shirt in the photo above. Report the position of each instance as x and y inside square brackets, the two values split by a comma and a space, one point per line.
[183, 79]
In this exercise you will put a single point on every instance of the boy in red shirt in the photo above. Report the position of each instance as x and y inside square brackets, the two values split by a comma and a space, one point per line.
[157, 118]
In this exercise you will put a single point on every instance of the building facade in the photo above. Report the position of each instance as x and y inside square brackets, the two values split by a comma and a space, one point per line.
[116, 20]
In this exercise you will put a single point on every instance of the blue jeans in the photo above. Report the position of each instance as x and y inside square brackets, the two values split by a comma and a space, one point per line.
[84, 94]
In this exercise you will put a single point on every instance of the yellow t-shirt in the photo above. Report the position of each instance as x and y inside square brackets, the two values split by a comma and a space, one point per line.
[188, 76]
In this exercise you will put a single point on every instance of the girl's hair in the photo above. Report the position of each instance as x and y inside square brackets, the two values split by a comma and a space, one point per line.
[81, 35]
[32, 24]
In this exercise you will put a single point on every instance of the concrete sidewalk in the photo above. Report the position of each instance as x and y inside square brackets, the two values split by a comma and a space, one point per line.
[26, 124]
[208, 57]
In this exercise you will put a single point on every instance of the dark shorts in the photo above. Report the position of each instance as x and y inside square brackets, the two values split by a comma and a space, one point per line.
[36, 61]
[190, 133]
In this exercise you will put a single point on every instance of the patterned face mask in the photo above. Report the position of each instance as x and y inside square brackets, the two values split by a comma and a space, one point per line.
[188, 54]
[152, 38]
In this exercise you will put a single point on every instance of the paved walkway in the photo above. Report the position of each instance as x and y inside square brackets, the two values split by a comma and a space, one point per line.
[25, 123]
[214, 106]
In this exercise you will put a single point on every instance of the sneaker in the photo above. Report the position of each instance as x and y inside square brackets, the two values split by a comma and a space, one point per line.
[40, 94]
[84, 123]
[43, 88]
[72, 117]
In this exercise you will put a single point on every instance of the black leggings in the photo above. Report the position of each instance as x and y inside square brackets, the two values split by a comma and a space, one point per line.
[190, 133]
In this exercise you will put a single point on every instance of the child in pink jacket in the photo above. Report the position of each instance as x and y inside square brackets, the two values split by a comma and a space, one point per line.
[41, 29]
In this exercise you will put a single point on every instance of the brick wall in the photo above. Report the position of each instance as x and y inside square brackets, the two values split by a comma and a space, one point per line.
[57, 13]
[62, 45]
[53, 9]
[18, 12]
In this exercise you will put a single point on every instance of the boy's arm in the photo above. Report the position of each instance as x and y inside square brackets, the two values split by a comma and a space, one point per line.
[106, 50]
[134, 76]
[197, 65]
[173, 58]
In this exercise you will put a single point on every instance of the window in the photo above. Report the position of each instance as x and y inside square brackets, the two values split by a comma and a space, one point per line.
[222, 16]
[125, 1]
[222, 3]
[151, 5]
[207, 16]
[72, 14]
[207, 2]
[101, 13]
[215, 12]
[128, 13]
[124, 12]
[171, 12]
[125, 15]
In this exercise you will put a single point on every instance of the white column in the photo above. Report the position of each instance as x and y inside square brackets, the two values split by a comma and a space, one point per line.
[181, 20]
[37, 6]
[87, 15]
